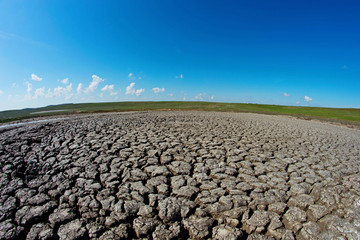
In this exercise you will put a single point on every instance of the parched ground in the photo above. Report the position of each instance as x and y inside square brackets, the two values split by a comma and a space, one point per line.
[179, 175]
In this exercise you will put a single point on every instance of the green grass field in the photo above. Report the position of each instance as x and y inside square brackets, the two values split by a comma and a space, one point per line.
[349, 116]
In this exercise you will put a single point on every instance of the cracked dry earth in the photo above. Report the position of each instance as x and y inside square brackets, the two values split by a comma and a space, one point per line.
[179, 175]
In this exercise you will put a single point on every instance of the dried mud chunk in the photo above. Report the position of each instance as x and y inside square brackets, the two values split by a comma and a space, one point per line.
[40, 231]
[162, 233]
[108, 235]
[339, 226]
[186, 192]
[32, 213]
[301, 201]
[139, 187]
[240, 200]
[61, 215]
[316, 212]
[177, 182]
[144, 226]
[276, 228]
[293, 219]
[298, 189]
[310, 230]
[224, 232]
[72, 230]
[94, 229]
[259, 219]
[198, 227]
[7, 230]
[122, 231]
[180, 168]
[328, 200]
[288, 235]
[157, 171]
[24, 194]
[7, 207]
[278, 207]
[146, 211]
[171, 209]
[131, 208]
[256, 236]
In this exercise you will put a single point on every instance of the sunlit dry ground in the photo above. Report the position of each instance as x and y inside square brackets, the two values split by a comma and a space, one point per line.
[179, 175]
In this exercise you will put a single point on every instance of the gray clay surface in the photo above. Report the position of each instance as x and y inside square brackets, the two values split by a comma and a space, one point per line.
[179, 175]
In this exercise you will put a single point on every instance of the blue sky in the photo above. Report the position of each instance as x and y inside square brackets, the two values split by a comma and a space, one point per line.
[303, 53]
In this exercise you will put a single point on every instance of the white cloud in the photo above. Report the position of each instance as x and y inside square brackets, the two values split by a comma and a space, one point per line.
[170, 95]
[200, 96]
[67, 97]
[35, 78]
[212, 97]
[39, 92]
[110, 89]
[130, 89]
[79, 88]
[1, 92]
[29, 87]
[133, 77]
[93, 85]
[158, 90]
[298, 102]
[307, 99]
[60, 91]
[139, 91]
[286, 95]
[180, 76]
[28, 90]
[65, 81]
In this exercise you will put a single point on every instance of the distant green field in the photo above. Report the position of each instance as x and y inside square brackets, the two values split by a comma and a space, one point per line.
[349, 116]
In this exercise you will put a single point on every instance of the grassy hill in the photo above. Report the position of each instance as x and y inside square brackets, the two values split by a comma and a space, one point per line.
[350, 116]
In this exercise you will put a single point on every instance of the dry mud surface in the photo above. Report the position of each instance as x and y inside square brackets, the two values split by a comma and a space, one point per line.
[179, 175]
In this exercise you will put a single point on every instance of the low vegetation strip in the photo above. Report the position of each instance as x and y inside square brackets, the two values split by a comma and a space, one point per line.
[350, 116]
